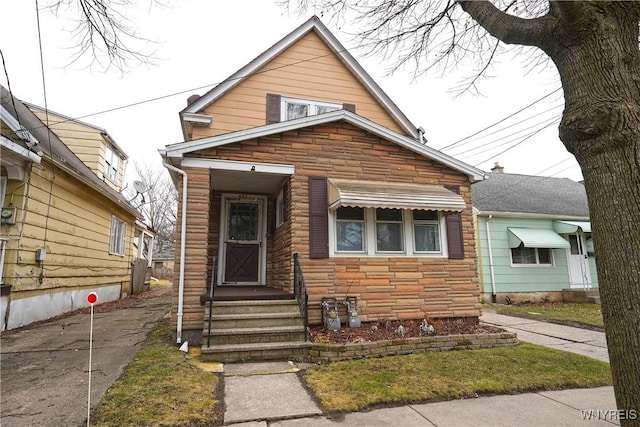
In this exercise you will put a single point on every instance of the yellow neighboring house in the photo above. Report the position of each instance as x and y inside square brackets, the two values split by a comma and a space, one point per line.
[65, 228]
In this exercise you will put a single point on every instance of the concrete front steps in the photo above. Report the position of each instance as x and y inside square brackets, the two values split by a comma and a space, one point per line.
[254, 330]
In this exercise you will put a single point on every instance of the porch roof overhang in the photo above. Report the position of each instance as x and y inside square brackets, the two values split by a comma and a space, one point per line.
[566, 227]
[536, 238]
[242, 177]
[378, 194]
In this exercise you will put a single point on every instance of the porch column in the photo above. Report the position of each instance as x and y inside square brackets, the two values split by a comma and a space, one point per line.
[195, 272]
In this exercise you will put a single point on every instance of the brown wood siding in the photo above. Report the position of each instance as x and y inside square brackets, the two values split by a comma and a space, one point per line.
[77, 228]
[387, 287]
[308, 70]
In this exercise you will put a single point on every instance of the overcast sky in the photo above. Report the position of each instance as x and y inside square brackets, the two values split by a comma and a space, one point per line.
[201, 42]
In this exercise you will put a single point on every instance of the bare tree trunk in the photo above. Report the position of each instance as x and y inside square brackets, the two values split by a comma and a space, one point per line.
[600, 69]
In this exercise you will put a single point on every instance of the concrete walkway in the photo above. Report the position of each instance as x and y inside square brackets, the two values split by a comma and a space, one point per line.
[575, 340]
[270, 394]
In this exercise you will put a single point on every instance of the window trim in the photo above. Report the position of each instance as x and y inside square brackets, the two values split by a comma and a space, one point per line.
[537, 264]
[313, 106]
[3, 189]
[370, 238]
[117, 236]
[280, 208]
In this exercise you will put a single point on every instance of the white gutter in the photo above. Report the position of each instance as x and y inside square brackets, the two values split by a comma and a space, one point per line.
[493, 277]
[183, 235]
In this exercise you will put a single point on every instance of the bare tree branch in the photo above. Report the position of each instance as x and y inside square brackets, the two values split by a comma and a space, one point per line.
[103, 33]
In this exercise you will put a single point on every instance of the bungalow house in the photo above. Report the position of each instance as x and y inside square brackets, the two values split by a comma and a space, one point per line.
[298, 168]
[65, 229]
[533, 238]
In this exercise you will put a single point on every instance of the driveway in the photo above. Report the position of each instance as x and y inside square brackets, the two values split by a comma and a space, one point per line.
[44, 368]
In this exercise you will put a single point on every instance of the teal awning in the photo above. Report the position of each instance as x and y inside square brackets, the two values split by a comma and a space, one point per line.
[536, 238]
[566, 227]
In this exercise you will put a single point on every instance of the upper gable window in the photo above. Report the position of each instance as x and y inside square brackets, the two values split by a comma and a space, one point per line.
[111, 161]
[293, 108]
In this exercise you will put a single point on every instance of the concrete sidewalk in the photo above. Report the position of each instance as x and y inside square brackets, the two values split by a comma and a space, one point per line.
[270, 394]
[575, 340]
[44, 367]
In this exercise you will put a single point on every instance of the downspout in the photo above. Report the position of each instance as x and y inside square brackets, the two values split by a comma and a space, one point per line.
[183, 235]
[493, 277]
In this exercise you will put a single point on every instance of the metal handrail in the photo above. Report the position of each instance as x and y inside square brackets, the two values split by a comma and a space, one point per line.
[300, 292]
[212, 286]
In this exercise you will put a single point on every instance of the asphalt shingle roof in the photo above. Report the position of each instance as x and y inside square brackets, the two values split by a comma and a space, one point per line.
[502, 192]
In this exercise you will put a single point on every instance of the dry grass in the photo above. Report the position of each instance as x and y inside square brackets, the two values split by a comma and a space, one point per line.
[361, 384]
[160, 387]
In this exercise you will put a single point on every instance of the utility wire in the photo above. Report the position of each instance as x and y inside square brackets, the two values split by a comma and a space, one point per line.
[520, 142]
[494, 144]
[46, 113]
[6, 73]
[479, 138]
[500, 121]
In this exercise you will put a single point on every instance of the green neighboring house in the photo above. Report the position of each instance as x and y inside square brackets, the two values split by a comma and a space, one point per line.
[533, 237]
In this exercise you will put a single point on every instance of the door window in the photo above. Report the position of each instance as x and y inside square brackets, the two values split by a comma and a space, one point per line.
[243, 221]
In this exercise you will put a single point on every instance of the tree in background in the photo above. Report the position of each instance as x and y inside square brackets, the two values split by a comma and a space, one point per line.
[158, 204]
[594, 46]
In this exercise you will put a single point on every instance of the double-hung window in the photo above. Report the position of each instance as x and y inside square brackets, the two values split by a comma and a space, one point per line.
[531, 256]
[293, 108]
[387, 232]
[118, 236]
[111, 161]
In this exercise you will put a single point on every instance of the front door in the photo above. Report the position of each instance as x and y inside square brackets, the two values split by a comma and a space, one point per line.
[579, 273]
[242, 242]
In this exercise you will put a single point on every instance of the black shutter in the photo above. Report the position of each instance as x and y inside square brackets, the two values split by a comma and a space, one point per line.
[318, 218]
[273, 108]
[455, 239]
[349, 107]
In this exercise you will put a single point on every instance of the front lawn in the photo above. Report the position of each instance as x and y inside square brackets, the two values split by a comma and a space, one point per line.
[572, 314]
[434, 376]
[160, 387]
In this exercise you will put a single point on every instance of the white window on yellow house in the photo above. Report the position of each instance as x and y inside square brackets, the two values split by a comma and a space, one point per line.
[118, 236]
[294, 108]
[111, 162]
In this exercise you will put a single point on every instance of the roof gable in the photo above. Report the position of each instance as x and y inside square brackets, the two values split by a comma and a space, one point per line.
[56, 151]
[312, 25]
[180, 149]
[502, 192]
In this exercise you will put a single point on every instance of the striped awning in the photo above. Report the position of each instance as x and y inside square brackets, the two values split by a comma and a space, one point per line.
[379, 194]
[536, 238]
